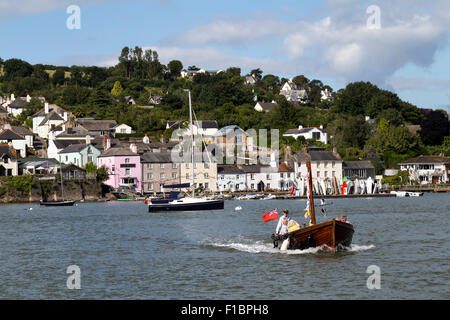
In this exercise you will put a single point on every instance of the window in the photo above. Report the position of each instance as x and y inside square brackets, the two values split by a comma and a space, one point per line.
[206, 175]
[206, 185]
[174, 165]
[252, 186]
[127, 172]
[127, 160]
[268, 176]
[149, 165]
[161, 165]
[187, 165]
[332, 164]
[252, 177]
[162, 176]
[174, 175]
[268, 186]
[325, 164]
[316, 135]
[281, 175]
[67, 158]
[333, 174]
[206, 165]
[187, 175]
[123, 130]
[149, 176]
[325, 174]
[318, 174]
[150, 186]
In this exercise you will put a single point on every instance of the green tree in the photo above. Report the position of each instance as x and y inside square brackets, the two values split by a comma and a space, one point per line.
[117, 89]
[175, 67]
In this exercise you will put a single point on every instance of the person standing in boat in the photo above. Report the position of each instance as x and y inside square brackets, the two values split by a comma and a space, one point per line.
[280, 221]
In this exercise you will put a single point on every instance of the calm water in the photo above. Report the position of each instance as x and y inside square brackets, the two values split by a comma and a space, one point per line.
[126, 253]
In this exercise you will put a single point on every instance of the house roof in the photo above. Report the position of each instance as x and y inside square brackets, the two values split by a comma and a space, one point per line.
[363, 164]
[324, 155]
[156, 157]
[61, 144]
[6, 150]
[267, 106]
[303, 130]
[21, 130]
[9, 134]
[73, 132]
[52, 115]
[228, 169]
[3, 110]
[112, 152]
[71, 166]
[76, 148]
[256, 168]
[204, 124]
[51, 107]
[223, 131]
[427, 159]
[18, 103]
[97, 125]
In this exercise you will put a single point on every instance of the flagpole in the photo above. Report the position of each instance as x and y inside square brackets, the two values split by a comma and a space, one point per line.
[311, 199]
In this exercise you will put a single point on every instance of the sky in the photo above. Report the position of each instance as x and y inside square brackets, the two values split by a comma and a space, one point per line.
[399, 45]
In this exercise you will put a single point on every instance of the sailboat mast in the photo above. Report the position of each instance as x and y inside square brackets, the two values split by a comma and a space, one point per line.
[61, 174]
[192, 142]
[311, 198]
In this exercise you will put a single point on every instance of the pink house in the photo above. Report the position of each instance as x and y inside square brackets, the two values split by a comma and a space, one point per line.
[124, 168]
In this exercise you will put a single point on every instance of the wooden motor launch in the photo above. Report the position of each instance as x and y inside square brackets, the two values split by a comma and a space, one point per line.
[335, 234]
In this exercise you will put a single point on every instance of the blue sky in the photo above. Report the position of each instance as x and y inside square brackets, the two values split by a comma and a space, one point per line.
[409, 52]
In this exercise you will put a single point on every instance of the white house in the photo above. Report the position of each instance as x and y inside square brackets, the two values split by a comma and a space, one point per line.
[325, 165]
[427, 169]
[250, 80]
[48, 118]
[261, 106]
[205, 128]
[230, 178]
[15, 107]
[8, 161]
[326, 95]
[15, 140]
[123, 128]
[79, 154]
[293, 93]
[316, 133]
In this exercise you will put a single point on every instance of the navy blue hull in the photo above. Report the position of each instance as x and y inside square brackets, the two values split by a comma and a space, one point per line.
[209, 205]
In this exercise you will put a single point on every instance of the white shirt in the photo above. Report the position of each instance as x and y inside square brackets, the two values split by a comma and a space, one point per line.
[280, 223]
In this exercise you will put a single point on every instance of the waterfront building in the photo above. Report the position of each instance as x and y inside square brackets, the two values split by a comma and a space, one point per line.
[158, 170]
[205, 175]
[427, 169]
[260, 177]
[358, 169]
[231, 178]
[79, 154]
[15, 140]
[325, 165]
[124, 168]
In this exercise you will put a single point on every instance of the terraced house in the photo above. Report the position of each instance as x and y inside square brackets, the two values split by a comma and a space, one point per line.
[158, 170]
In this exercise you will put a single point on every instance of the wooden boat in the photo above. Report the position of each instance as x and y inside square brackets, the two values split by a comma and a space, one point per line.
[57, 203]
[335, 234]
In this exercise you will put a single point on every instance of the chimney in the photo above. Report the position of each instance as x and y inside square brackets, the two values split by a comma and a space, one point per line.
[133, 148]
[12, 97]
[162, 139]
[28, 98]
[46, 108]
[146, 140]
[88, 139]
[321, 126]
[108, 143]
[300, 127]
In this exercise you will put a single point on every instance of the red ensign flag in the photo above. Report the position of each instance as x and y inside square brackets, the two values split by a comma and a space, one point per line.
[272, 215]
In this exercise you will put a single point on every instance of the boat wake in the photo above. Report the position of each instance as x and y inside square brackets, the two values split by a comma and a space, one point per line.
[264, 247]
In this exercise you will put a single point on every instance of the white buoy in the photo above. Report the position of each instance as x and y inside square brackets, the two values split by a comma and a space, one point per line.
[238, 208]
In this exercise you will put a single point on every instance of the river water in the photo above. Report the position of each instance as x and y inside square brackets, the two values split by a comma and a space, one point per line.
[124, 252]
